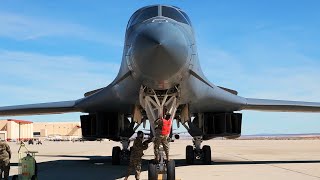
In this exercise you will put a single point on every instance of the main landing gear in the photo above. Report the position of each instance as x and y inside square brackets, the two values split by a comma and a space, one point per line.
[119, 154]
[167, 168]
[196, 153]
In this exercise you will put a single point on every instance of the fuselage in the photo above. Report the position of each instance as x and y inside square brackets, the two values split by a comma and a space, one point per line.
[158, 46]
[160, 53]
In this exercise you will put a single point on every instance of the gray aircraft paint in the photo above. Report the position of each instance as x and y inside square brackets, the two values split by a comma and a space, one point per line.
[160, 53]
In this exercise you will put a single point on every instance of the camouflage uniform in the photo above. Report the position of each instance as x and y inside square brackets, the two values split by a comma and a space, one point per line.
[136, 157]
[160, 139]
[5, 156]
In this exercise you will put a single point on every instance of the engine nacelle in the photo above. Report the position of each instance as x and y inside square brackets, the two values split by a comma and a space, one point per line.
[211, 125]
[102, 125]
[233, 137]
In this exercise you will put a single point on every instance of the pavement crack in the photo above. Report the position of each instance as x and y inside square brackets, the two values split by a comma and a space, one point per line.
[294, 171]
[272, 165]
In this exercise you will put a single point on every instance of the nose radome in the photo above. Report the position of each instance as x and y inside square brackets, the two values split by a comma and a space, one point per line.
[160, 50]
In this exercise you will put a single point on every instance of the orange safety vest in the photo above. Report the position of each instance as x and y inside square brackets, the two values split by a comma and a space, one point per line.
[166, 126]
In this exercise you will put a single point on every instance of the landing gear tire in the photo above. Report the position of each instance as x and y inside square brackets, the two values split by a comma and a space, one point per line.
[152, 170]
[116, 151]
[206, 150]
[189, 155]
[171, 170]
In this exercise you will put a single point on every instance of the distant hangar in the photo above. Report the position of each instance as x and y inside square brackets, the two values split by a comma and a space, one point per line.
[14, 130]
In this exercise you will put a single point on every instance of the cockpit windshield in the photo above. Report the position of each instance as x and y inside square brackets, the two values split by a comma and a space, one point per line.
[173, 14]
[143, 15]
[186, 16]
[153, 11]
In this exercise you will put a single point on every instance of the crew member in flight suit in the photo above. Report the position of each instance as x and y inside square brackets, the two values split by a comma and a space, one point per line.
[136, 155]
[162, 132]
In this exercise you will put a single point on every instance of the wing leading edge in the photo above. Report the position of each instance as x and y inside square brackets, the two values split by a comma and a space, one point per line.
[80, 105]
[38, 109]
[281, 105]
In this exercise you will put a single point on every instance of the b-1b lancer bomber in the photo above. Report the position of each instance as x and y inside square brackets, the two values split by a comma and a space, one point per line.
[160, 70]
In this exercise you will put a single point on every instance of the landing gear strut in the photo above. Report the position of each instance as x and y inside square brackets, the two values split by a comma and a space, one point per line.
[196, 153]
[123, 154]
[155, 103]
[119, 154]
[162, 167]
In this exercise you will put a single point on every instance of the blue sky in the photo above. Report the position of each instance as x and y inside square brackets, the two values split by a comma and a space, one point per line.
[57, 50]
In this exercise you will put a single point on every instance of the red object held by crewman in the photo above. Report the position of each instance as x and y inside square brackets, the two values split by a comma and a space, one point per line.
[166, 127]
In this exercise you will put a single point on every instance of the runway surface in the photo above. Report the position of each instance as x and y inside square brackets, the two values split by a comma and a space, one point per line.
[232, 159]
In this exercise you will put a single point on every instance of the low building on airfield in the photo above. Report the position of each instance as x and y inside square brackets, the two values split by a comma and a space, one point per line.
[61, 130]
[14, 130]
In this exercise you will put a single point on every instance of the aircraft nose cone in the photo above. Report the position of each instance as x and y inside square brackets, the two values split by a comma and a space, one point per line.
[160, 50]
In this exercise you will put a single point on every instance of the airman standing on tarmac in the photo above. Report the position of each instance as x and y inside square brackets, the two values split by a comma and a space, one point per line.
[162, 132]
[5, 156]
[136, 155]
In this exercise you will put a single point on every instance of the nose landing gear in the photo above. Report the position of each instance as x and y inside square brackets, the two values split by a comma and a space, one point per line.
[166, 168]
[155, 103]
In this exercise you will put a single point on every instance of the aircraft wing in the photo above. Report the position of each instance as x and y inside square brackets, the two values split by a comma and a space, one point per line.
[93, 100]
[281, 105]
[37, 109]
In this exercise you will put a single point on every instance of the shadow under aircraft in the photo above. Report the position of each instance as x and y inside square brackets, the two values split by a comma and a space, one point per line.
[100, 167]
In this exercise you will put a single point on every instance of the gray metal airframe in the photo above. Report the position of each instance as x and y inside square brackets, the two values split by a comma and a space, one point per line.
[159, 56]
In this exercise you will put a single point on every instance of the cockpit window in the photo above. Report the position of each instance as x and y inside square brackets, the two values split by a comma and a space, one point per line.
[186, 16]
[144, 14]
[173, 14]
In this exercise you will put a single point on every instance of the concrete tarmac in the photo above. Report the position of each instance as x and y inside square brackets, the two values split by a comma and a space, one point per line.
[232, 159]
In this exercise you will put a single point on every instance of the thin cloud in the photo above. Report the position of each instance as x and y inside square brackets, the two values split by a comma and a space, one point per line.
[20, 27]
[294, 80]
[31, 77]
